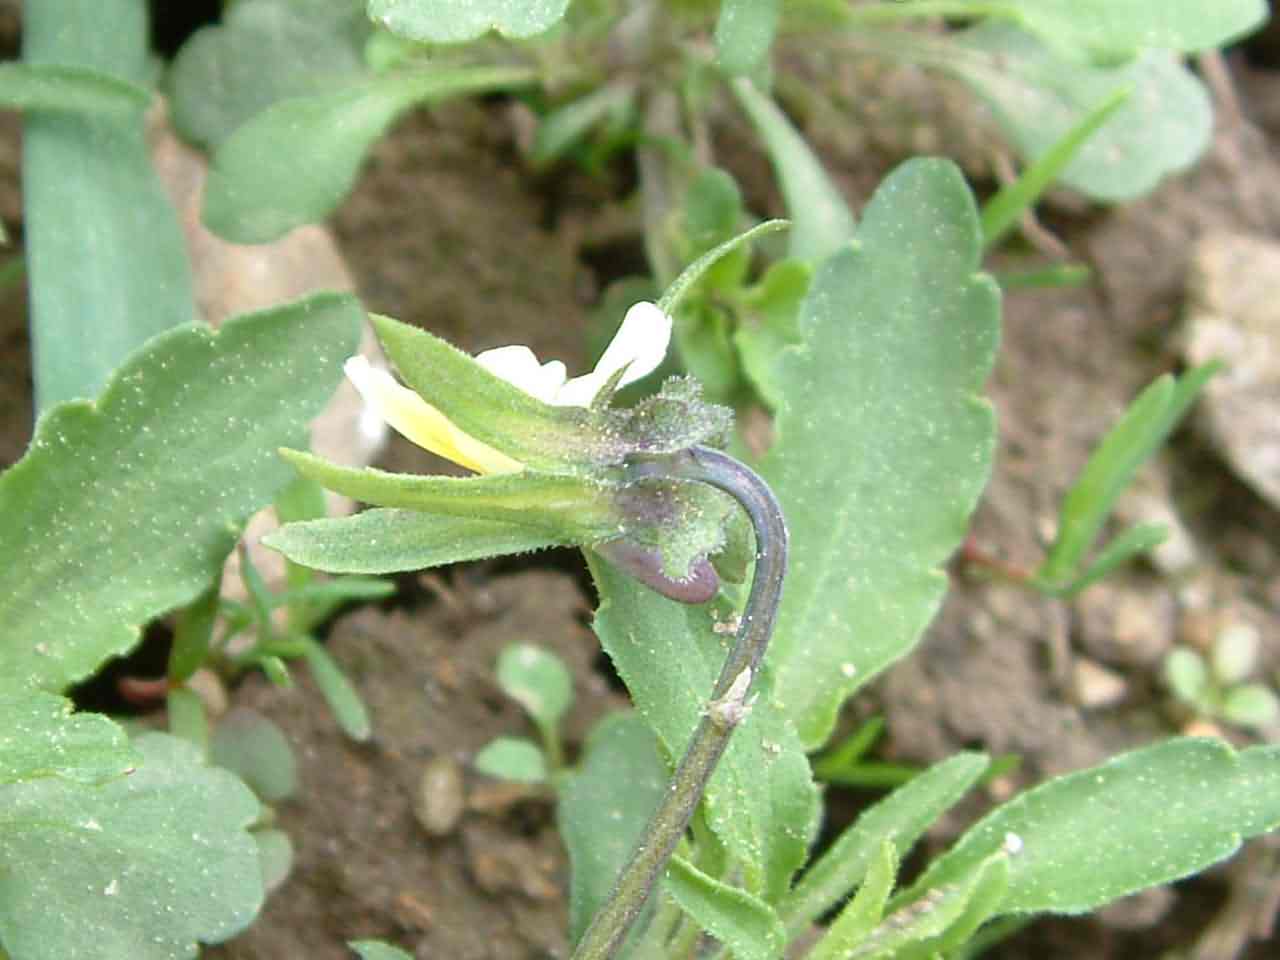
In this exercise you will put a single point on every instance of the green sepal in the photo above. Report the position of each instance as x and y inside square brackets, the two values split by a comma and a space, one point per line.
[573, 507]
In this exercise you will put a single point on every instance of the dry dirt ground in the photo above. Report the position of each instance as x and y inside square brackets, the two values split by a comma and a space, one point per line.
[449, 230]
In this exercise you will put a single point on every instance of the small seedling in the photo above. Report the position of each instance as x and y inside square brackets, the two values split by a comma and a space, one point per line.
[1218, 687]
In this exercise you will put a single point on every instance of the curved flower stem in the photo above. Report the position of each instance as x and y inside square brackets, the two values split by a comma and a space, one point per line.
[728, 704]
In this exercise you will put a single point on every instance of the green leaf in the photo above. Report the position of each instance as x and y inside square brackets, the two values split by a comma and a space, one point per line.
[294, 162]
[47, 86]
[262, 52]
[537, 680]
[744, 33]
[106, 259]
[1253, 705]
[142, 867]
[761, 801]
[1113, 29]
[187, 718]
[984, 896]
[900, 818]
[194, 634]
[863, 912]
[127, 507]
[392, 541]
[456, 21]
[275, 857]
[1143, 428]
[1002, 212]
[604, 807]
[348, 709]
[1186, 675]
[884, 441]
[376, 950]
[1144, 818]
[768, 324]
[690, 275]
[41, 737]
[510, 758]
[256, 750]
[821, 221]
[1039, 99]
[743, 923]
[566, 125]
[912, 931]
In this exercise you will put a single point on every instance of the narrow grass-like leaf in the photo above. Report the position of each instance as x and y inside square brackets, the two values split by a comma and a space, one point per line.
[861, 915]
[1144, 818]
[1002, 212]
[566, 125]
[456, 21]
[1134, 542]
[743, 923]
[900, 818]
[884, 440]
[294, 162]
[137, 498]
[348, 709]
[142, 866]
[604, 806]
[1162, 128]
[194, 634]
[744, 33]
[821, 221]
[1143, 428]
[47, 86]
[674, 294]
[41, 737]
[106, 259]
[392, 541]
[761, 801]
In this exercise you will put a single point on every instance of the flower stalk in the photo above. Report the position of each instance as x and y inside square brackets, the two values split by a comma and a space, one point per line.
[729, 702]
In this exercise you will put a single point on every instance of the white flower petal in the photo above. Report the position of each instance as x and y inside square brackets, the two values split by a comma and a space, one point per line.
[520, 367]
[580, 391]
[641, 341]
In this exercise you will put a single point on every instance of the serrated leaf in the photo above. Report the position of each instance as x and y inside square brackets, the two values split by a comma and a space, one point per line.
[604, 806]
[1112, 29]
[761, 801]
[1144, 818]
[512, 758]
[294, 162]
[41, 737]
[338, 692]
[106, 259]
[1038, 98]
[884, 441]
[262, 52]
[821, 221]
[47, 86]
[456, 21]
[1111, 467]
[744, 33]
[743, 923]
[538, 680]
[376, 950]
[255, 749]
[126, 507]
[392, 541]
[142, 867]
[860, 916]
[900, 818]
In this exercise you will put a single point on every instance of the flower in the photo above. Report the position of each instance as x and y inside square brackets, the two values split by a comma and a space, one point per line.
[635, 351]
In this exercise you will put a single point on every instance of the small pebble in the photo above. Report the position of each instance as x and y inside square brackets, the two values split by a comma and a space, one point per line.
[440, 800]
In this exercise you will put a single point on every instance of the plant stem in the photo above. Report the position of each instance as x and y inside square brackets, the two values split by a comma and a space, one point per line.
[728, 704]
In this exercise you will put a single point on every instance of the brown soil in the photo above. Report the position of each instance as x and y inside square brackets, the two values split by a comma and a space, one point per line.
[447, 229]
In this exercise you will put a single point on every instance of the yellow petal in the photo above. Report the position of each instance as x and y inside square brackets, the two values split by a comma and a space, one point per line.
[422, 423]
